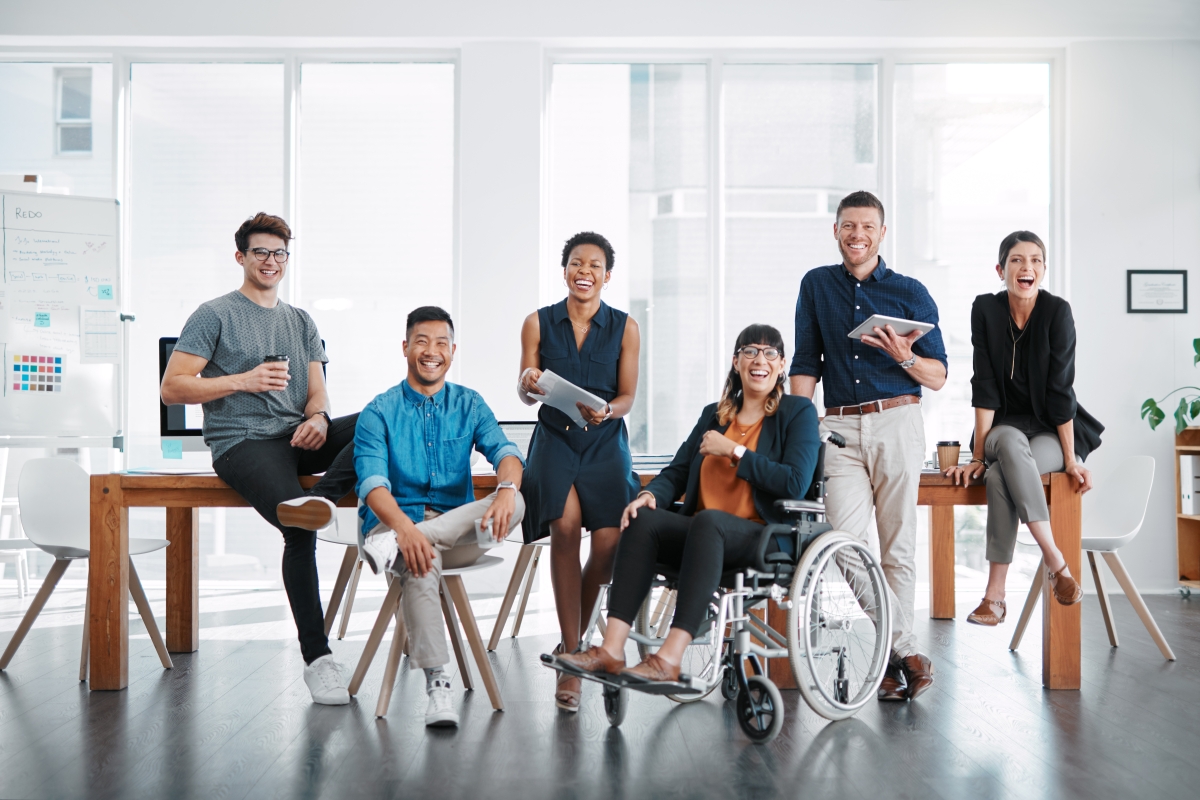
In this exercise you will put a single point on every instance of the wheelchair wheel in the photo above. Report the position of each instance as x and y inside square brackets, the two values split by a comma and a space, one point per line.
[615, 703]
[839, 626]
[701, 659]
[760, 709]
[729, 684]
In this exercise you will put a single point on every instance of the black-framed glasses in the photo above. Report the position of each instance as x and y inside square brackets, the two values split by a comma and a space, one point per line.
[769, 353]
[262, 254]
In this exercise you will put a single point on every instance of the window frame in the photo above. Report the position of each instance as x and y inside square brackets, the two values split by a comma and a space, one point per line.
[61, 123]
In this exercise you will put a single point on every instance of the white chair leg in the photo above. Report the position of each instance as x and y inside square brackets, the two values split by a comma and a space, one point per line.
[1139, 605]
[1105, 605]
[525, 595]
[458, 594]
[510, 594]
[23, 575]
[339, 585]
[143, 607]
[1031, 601]
[85, 649]
[39, 601]
[350, 593]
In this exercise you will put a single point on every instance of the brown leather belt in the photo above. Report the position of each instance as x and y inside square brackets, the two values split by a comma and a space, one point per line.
[875, 405]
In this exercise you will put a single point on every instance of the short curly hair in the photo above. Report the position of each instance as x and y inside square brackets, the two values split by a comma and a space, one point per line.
[588, 237]
[262, 222]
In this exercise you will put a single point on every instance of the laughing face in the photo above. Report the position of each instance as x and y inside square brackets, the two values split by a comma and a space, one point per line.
[859, 232]
[586, 272]
[430, 351]
[1023, 270]
[758, 373]
[264, 275]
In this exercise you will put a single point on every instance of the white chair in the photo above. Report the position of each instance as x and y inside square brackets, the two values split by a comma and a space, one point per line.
[524, 570]
[346, 584]
[55, 499]
[12, 545]
[1113, 513]
[456, 609]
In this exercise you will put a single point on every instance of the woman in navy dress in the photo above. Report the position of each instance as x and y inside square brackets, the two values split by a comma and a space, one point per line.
[579, 477]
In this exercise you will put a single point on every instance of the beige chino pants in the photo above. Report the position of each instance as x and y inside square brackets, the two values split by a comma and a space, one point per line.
[880, 469]
[452, 535]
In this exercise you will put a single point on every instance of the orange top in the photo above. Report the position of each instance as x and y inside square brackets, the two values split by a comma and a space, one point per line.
[720, 487]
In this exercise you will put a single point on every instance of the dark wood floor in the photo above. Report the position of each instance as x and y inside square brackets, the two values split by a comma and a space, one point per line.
[235, 720]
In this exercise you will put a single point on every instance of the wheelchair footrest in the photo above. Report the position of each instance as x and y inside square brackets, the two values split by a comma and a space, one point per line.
[682, 686]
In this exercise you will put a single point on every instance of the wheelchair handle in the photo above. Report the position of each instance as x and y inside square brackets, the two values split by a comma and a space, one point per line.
[833, 438]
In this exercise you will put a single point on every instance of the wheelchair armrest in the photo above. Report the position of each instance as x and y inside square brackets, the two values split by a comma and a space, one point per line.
[764, 562]
[800, 506]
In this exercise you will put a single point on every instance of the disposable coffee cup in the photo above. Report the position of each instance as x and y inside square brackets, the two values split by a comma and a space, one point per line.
[947, 455]
[272, 359]
[483, 536]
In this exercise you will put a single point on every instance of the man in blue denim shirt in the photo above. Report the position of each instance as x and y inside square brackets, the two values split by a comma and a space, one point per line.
[412, 453]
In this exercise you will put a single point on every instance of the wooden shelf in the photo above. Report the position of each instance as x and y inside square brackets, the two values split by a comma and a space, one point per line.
[1194, 517]
[1187, 540]
[1190, 584]
[1190, 448]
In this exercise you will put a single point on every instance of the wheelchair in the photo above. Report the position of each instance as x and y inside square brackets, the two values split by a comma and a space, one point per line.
[838, 637]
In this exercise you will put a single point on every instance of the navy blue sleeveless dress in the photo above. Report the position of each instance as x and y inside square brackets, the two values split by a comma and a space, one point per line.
[594, 460]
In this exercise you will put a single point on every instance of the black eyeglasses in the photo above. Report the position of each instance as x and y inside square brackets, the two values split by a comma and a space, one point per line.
[262, 254]
[770, 353]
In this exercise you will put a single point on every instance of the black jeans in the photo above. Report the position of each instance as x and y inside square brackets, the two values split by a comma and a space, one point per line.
[265, 472]
[700, 547]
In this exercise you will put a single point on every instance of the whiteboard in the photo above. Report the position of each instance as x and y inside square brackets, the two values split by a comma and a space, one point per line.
[60, 326]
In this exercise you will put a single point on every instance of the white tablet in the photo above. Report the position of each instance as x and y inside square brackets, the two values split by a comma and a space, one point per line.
[900, 326]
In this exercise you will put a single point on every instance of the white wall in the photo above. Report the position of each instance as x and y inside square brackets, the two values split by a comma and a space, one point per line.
[1134, 195]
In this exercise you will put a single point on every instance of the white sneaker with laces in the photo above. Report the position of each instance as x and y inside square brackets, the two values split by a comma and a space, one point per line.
[326, 680]
[379, 550]
[440, 713]
[308, 512]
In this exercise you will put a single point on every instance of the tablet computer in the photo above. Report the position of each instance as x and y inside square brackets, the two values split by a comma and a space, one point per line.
[900, 326]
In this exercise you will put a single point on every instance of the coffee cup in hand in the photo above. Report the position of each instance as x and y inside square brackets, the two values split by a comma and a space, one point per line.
[483, 535]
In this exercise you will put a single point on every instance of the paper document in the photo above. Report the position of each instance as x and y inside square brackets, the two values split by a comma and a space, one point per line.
[563, 395]
[98, 340]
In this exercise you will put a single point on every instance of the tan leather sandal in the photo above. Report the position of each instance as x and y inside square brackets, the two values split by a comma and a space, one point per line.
[1067, 590]
[566, 699]
[989, 612]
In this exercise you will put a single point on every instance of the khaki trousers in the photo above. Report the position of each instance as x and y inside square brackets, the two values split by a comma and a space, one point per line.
[452, 535]
[880, 469]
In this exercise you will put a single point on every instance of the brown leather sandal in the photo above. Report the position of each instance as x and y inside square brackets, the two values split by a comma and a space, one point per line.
[989, 612]
[1067, 590]
[566, 699]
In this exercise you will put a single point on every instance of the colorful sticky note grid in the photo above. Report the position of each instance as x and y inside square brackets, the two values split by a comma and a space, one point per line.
[37, 373]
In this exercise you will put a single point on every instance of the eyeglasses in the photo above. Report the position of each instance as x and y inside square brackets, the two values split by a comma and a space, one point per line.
[262, 254]
[770, 353]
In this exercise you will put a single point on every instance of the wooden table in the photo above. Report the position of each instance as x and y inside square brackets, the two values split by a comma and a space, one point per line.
[183, 495]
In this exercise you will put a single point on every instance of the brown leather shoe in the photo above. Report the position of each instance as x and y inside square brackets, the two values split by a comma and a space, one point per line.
[1066, 589]
[595, 660]
[990, 612]
[918, 670]
[652, 670]
[892, 687]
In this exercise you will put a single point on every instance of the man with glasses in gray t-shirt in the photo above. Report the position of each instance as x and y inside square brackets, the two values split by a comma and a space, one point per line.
[256, 365]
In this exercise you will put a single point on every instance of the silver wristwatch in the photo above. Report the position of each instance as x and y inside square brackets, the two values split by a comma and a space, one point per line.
[908, 364]
[506, 485]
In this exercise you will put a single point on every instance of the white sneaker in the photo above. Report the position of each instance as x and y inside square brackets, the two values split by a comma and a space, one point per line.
[440, 713]
[326, 680]
[309, 513]
[379, 550]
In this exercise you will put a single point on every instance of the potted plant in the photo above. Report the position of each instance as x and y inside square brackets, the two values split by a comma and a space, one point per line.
[1188, 409]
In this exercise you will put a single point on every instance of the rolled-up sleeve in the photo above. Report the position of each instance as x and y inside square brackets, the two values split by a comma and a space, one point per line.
[490, 440]
[931, 344]
[809, 346]
[371, 453]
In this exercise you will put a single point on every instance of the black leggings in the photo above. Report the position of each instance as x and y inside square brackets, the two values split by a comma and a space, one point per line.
[266, 472]
[700, 547]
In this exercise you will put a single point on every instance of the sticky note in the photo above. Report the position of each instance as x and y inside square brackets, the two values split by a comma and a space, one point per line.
[105, 291]
[172, 448]
[41, 319]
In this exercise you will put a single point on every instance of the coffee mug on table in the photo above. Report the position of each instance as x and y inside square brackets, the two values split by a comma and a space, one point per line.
[947, 455]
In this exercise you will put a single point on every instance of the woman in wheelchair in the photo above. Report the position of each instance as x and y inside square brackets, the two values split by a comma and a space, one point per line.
[755, 446]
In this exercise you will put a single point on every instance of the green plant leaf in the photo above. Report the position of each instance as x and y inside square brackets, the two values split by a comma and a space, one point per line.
[1148, 406]
[1181, 412]
[1195, 409]
[1196, 347]
[1156, 416]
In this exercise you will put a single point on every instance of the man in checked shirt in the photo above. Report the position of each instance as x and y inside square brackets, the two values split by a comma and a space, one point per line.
[873, 399]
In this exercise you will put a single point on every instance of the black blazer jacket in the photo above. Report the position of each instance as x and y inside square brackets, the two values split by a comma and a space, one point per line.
[1051, 349]
[780, 468]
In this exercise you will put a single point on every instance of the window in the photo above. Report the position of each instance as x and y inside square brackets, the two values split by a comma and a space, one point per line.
[629, 159]
[74, 122]
[797, 139]
[375, 229]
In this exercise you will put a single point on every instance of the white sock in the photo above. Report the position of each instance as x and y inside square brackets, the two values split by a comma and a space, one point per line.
[433, 674]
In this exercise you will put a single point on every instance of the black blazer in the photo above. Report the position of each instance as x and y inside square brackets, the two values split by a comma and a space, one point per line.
[1051, 349]
[780, 468]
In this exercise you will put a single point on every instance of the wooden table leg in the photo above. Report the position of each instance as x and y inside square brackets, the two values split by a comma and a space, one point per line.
[183, 580]
[1061, 646]
[941, 562]
[108, 582]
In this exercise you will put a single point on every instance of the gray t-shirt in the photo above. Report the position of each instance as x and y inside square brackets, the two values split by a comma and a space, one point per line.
[234, 333]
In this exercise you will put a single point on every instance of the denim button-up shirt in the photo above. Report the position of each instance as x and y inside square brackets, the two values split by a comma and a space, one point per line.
[419, 448]
[832, 303]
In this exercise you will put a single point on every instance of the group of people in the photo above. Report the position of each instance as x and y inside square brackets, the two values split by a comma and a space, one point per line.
[407, 455]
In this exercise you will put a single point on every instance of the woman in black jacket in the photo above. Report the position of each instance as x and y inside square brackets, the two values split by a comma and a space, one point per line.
[755, 446]
[1027, 421]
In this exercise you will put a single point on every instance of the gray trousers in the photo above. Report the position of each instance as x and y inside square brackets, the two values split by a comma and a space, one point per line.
[1016, 462]
[454, 545]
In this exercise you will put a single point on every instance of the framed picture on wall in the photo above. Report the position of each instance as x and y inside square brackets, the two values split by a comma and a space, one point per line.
[1156, 291]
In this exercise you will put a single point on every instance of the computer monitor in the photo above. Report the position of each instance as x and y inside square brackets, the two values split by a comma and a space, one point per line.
[178, 422]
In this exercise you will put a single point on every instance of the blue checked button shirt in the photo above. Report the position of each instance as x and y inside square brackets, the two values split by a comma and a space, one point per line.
[419, 448]
[832, 303]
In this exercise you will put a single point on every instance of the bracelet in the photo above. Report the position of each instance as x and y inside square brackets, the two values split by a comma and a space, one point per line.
[977, 461]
